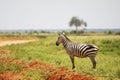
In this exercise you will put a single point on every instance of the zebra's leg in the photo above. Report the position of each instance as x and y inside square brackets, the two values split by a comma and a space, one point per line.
[92, 58]
[72, 60]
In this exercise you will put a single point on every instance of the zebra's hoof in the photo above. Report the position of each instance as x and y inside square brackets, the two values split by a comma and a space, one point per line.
[74, 70]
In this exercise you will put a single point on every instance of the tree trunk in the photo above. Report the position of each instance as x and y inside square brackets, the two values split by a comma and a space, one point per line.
[76, 29]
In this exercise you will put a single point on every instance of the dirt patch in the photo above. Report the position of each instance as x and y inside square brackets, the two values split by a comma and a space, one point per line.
[50, 72]
[56, 73]
[63, 74]
[11, 76]
[16, 38]
[3, 43]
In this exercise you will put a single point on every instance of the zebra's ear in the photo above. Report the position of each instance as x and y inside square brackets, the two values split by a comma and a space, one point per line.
[63, 33]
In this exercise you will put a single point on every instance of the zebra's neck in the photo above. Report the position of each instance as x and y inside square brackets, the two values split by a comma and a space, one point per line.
[65, 41]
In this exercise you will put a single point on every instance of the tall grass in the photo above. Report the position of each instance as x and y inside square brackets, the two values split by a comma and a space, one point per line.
[108, 58]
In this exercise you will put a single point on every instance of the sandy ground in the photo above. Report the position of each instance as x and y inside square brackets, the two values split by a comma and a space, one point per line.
[9, 42]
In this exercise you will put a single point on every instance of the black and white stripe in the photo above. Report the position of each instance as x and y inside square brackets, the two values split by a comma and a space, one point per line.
[78, 50]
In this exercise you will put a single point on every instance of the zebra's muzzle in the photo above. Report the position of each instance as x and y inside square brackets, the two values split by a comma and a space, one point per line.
[57, 44]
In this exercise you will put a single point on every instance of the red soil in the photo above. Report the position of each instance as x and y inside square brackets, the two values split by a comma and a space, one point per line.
[56, 73]
[63, 74]
[52, 72]
[11, 76]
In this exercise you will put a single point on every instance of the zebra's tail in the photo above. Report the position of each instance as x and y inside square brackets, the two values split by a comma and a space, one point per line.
[94, 46]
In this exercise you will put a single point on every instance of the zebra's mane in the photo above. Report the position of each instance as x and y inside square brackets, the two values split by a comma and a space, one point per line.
[67, 38]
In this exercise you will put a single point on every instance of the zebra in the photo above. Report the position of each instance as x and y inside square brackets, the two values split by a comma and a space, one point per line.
[77, 50]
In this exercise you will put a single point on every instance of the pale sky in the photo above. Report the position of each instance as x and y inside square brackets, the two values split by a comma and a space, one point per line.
[56, 14]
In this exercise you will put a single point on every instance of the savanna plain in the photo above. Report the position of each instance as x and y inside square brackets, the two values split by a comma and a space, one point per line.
[41, 58]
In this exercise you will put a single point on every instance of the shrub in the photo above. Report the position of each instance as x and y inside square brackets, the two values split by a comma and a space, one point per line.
[108, 32]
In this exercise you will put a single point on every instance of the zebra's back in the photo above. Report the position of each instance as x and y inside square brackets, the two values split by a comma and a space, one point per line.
[84, 50]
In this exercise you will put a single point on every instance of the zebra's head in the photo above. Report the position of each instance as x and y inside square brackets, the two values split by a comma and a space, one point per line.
[60, 38]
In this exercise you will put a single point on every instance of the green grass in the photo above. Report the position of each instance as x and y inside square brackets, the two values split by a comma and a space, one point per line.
[6, 66]
[108, 58]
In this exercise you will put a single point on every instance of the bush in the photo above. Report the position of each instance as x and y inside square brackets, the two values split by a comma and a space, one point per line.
[78, 33]
[108, 32]
[73, 32]
[117, 33]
